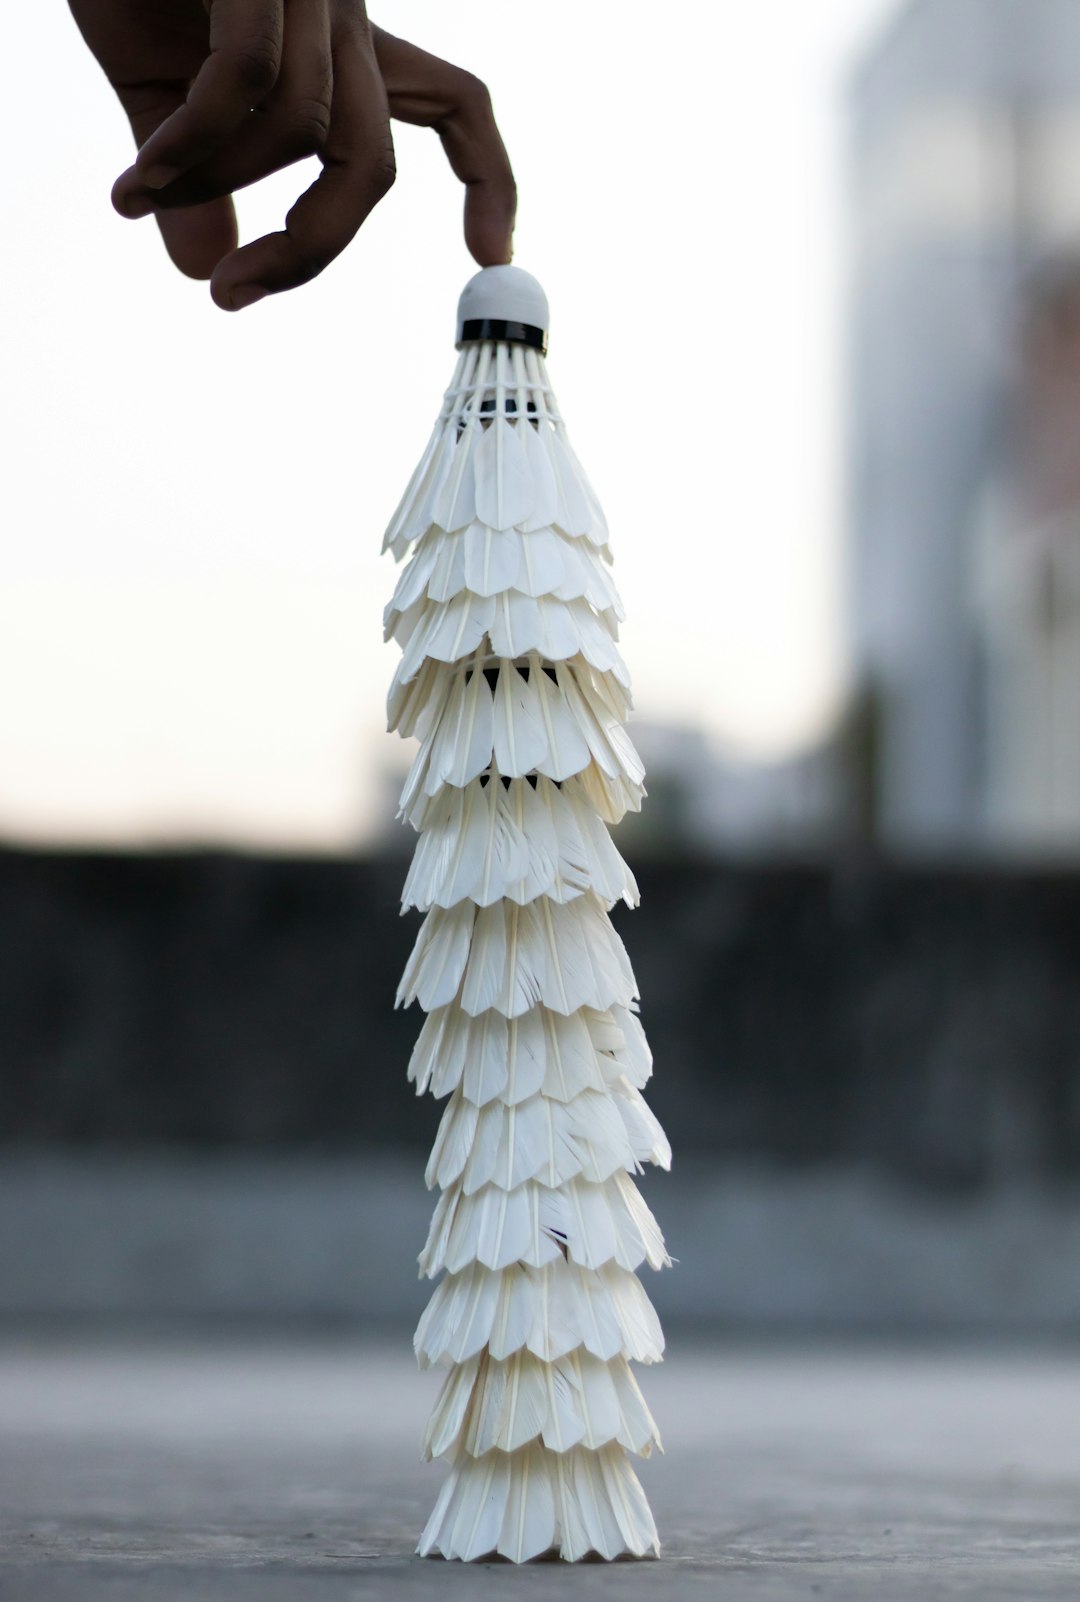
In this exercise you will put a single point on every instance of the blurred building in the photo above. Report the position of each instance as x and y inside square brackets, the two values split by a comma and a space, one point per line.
[1030, 588]
[964, 428]
[704, 799]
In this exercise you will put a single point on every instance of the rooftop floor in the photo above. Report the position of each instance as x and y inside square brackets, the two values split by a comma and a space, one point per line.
[233, 1470]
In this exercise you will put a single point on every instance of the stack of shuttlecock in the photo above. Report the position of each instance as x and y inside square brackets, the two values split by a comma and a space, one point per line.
[511, 681]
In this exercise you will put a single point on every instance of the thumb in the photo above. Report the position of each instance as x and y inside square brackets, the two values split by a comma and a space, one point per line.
[197, 237]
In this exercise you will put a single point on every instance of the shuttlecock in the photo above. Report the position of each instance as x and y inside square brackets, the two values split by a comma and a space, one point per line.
[511, 680]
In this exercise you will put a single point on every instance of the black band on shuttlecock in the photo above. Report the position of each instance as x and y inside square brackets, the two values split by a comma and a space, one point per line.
[495, 328]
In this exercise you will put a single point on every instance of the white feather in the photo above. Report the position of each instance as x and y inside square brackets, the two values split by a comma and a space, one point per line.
[549, 1311]
[516, 841]
[610, 745]
[453, 501]
[618, 1034]
[441, 632]
[530, 733]
[517, 626]
[506, 1408]
[543, 564]
[572, 1064]
[433, 972]
[524, 1060]
[520, 625]
[491, 1057]
[521, 1505]
[477, 1053]
[644, 1135]
[563, 956]
[472, 848]
[450, 1410]
[529, 805]
[601, 1223]
[546, 503]
[530, 1513]
[550, 1141]
[402, 625]
[567, 749]
[592, 1224]
[504, 490]
[467, 1520]
[470, 1310]
[576, 1399]
[454, 1141]
[417, 707]
[601, 1507]
[490, 562]
[414, 583]
[607, 1399]
[574, 515]
[599, 866]
[459, 419]
[598, 532]
[520, 740]
[460, 744]
[585, 573]
[448, 570]
[603, 692]
[612, 799]
[498, 445]
[502, 1504]
[412, 518]
[535, 723]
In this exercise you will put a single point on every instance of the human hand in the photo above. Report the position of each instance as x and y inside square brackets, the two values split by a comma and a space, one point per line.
[220, 93]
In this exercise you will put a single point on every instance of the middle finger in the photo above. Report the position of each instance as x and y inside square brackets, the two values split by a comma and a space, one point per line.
[293, 122]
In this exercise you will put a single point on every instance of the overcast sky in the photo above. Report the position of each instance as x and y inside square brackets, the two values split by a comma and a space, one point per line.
[191, 504]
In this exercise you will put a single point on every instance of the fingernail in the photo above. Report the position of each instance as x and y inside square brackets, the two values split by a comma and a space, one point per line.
[136, 205]
[158, 177]
[245, 295]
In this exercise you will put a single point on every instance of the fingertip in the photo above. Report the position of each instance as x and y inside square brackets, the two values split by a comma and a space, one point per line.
[233, 286]
[199, 237]
[489, 247]
[489, 227]
[238, 297]
[128, 199]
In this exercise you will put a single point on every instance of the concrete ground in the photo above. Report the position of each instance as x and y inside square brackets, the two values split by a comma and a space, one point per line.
[236, 1471]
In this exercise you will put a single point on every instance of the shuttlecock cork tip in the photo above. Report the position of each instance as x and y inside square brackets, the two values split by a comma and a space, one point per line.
[503, 303]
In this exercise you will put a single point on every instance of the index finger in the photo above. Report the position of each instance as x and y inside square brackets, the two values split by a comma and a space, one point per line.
[240, 70]
[357, 171]
[432, 93]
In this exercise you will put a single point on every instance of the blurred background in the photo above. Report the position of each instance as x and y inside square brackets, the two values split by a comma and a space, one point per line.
[816, 332]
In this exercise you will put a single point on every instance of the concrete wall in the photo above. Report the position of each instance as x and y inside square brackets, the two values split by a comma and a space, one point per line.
[922, 1024]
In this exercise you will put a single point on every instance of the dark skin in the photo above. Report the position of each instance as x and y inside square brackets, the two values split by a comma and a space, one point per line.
[220, 93]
